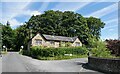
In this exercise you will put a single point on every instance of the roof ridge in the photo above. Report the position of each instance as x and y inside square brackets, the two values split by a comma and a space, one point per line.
[57, 35]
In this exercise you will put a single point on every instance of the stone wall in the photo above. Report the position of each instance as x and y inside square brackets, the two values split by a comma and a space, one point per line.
[104, 64]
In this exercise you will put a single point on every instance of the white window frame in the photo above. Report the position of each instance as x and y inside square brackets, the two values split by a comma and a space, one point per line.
[52, 42]
[77, 43]
[38, 41]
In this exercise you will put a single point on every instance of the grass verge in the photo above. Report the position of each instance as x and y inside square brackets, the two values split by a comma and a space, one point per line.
[3, 52]
[61, 57]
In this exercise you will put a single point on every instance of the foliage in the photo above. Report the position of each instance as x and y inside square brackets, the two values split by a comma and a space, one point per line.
[7, 36]
[3, 52]
[61, 57]
[65, 44]
[99, 49]
[93, 42]
[58, 23]
[62, 44]
[95, 26]
[68, 44]
[0, 36]
[21, 37]
[100, 52]
[53, 52]
[114, 46]
[52, 22]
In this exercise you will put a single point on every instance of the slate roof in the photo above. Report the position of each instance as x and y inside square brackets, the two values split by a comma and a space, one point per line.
[59, 38]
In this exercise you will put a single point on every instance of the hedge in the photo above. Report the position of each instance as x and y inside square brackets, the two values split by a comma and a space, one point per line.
[114, 46]
[50, 52]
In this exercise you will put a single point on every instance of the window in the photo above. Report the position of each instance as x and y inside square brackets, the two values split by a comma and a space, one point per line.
[38, 42]
[52, 42]
[77, 44]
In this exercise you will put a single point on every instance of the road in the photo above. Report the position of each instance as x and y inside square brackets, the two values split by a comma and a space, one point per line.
[14, 62]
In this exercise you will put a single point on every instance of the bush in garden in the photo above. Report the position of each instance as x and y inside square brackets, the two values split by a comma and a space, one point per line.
[62, 44]
[80, 50]
[100, 50]
[50, 52]
[96, 52]
[26, 52]
[68, 44]
[114, 46]
[34, 51]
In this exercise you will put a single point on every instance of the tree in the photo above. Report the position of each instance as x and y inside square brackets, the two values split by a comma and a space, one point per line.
[8, 23]
[66, 23]
[7, 36]
[95, 25]
[51, 22]
[114, 46]
[98, 48]
[21, 37]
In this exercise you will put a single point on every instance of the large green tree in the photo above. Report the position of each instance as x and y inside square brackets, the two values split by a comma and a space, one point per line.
[95, 25]
[7, 36]
[66, 23]
[21, 37]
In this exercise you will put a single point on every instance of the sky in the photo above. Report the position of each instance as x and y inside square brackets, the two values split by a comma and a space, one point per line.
[18, 12]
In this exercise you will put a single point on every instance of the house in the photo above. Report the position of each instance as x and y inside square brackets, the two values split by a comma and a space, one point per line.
[53, 41]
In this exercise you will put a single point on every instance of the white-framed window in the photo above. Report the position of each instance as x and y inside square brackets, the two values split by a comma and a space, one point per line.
[52, 42]
[38, 42]
[77, 43]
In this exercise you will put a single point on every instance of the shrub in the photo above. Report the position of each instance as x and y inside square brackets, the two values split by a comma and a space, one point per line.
[80, 50]
[25, 52]
[68, 44]
[62, 44]
[100, 50]
[114, 46]
[34, 51]
[51, 52]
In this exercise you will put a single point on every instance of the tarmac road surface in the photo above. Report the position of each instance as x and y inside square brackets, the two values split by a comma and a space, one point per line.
[14, 62]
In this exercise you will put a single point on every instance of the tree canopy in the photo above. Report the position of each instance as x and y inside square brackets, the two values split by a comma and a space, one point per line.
[7, 36]
[51, 22]
[66, 23]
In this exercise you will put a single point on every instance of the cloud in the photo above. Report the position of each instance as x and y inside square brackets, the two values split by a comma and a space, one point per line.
[29, 13]
[109, 27]
[59, 0]
[112, 21]
[70, 6]
[13, 22]
[35, 13]
[104, 11]
[44, 6]
[16, 0]
[109, 23]
[12, 9]
[114, 36]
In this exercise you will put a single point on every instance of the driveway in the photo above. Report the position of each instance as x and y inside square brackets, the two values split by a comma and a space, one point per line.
[14, 62]
[0, 65]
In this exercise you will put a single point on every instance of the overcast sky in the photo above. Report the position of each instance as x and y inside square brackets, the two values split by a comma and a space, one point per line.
[18, 12]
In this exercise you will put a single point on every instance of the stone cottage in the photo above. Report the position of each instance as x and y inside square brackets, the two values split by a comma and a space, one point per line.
[53, 41]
